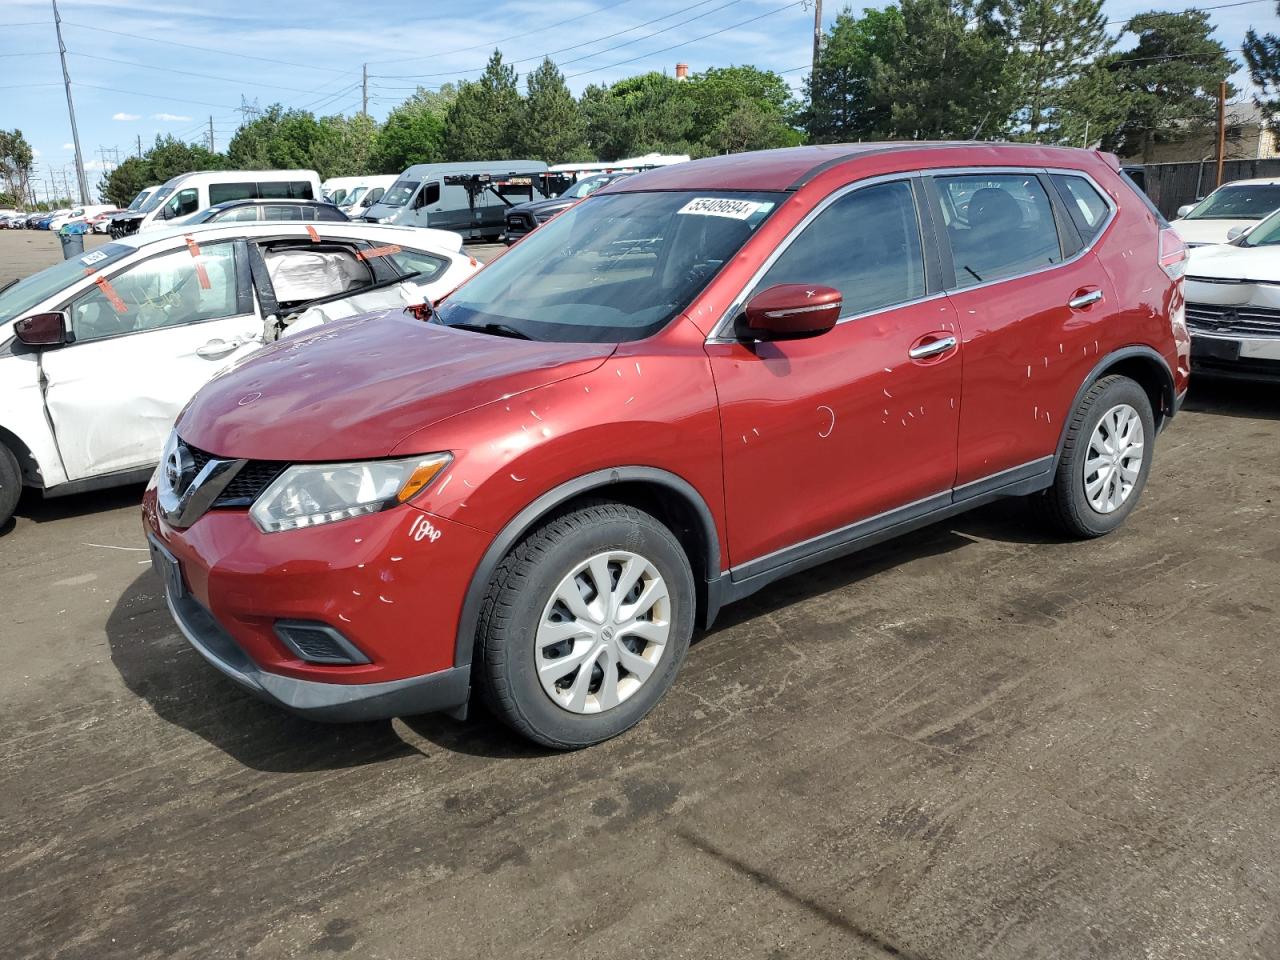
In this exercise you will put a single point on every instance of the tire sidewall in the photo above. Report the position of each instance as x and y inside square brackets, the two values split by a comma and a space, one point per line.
[10, 484]
[1121, 391]
[552, 722]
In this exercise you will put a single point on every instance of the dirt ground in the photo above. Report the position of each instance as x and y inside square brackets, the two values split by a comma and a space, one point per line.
[972, 743]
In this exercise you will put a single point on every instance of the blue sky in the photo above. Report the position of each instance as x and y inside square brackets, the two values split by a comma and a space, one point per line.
[174, 68]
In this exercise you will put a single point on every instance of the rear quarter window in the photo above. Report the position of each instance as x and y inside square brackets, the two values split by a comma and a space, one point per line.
[1087, 208]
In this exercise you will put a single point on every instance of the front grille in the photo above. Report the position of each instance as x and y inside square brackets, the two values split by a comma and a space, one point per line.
[1240, 321]
[254, 477]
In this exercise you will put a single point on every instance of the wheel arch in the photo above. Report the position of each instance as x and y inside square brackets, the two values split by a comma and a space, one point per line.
[661, 493]
[1144, 366]
[28, 465]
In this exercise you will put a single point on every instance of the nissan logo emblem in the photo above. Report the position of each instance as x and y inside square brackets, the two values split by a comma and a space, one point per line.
[179, 469]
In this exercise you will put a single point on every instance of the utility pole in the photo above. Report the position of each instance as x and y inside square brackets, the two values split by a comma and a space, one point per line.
[139, 146]
[71, 109]
[817, 33]
[364, 89]
[1222, 128]
[211, 149]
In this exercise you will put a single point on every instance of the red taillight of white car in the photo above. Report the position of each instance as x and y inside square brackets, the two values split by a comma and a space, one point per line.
[1173, 254]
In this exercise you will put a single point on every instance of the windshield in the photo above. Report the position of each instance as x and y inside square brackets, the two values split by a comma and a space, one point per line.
[1250, 202]
[155, 199]
[25, 294]
[400, 193]
[1265, 234]
[352, 197]
[617, 267]
[139, 200]
[584, 188]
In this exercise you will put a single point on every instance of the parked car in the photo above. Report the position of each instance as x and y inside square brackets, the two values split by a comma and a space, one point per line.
[135, 205]
[101, 222]
[34, 219]
[248, 211]
[1232, 206]
[45, 222]
[77, 213]
[694, 382]
[471, 198]
[186, 193]
[1233, 305]
[98, 353]
[523, 218]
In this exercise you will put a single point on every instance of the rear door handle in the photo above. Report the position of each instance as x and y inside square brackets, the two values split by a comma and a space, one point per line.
[932, 348]
[1086, 299]
[217, 349]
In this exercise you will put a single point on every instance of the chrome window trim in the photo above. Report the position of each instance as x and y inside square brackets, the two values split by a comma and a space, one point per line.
[722, 332]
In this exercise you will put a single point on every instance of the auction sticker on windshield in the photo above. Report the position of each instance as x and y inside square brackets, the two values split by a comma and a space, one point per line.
[723, 207]
[96, 257]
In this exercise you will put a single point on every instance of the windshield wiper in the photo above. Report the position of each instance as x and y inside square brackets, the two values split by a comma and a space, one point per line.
[496, 329]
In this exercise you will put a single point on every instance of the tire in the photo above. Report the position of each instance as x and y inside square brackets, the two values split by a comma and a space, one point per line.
[10, 484]
[1070, 506]
[522, 614]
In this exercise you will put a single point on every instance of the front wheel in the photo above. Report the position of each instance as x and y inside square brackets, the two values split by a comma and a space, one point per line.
[1105, 461]
[585, 625]
[10, 484]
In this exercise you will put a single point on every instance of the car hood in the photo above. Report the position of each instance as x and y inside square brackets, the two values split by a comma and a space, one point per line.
[355, 388]
[1207, 231]
[1228, 262]
[549, 205]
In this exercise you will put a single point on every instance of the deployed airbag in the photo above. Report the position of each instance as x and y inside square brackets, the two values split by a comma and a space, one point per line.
[299, 274]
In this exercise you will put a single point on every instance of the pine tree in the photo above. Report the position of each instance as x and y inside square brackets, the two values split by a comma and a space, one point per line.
[552, 128]
[839, 89]
[1262, 57]
[483, 123]
[1054, 43]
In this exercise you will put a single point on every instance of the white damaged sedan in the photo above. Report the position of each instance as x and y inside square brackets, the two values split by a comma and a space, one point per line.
[100, 352]
[1233, 305]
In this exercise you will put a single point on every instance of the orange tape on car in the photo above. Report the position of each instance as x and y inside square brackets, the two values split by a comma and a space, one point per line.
[378, 252]
[113, 298]
[201, 273]
[315, 237]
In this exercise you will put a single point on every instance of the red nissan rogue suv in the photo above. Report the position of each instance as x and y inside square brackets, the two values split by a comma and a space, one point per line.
[696, 381]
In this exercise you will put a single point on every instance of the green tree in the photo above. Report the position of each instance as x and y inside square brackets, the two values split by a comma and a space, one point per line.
[166, 158]
[483, 123]
[647, 113]
[840, 107]
[552, 128]
[1053, 44]
[413, 132]
[739, 108]
[1169, 80]
[1262, 57]
[16, 159]
[279, 139]
[947, 78]
[124, 182]
[345, 147]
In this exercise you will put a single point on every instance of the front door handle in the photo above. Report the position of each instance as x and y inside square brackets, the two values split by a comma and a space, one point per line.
[932, 348]
[1084, 299]
[217, 349]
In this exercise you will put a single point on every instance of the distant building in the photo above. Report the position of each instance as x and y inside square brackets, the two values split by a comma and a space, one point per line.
[1249, 137]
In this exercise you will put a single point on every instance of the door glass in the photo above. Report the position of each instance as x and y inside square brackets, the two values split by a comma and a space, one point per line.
[238, 215]
[999, 225]
[1088, 210]
[866, 245]
[430, 195]
[222, 192]
[281, 211]
[165, 291]
[423, 266]
[274, 190]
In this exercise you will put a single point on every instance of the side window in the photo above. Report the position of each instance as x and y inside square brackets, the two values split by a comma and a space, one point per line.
[327, 213]
[300, 190]
[372, 197]
[1087, 208]
[424, 266]
[999, 225]
[165, 291]
[280, 211]
[182, 203]
[238, 215]
[866, 245]
[430, 194]
[274, 190]
[301, 274]
[222, 192]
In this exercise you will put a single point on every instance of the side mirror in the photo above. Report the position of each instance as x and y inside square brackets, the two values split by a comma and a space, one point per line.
[42, 330]
[1235, 233]
[789, 311]
[1185, 209]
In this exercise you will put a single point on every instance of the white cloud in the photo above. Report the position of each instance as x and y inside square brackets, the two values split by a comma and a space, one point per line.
[170, 117]
[125, 116]
[68, 146]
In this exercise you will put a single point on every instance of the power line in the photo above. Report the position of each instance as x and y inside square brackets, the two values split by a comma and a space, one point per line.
[585, 43]
[685, 43]
[190, 46]
[189, 73]
[152, 96]
[517, 36]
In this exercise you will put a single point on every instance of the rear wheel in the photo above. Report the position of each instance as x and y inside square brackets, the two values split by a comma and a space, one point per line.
[585, 625]
[10, 484]
[1105, 461]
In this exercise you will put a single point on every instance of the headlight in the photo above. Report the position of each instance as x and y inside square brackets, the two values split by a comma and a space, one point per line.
[310, 494]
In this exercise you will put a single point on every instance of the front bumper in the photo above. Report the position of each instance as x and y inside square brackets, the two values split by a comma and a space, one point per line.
[329, 702]
[1239, 358]
[395, 597]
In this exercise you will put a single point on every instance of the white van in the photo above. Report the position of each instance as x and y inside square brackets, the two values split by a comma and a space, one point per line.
[468, 198]
[337, 190]
[365, 194]
[189, 192]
